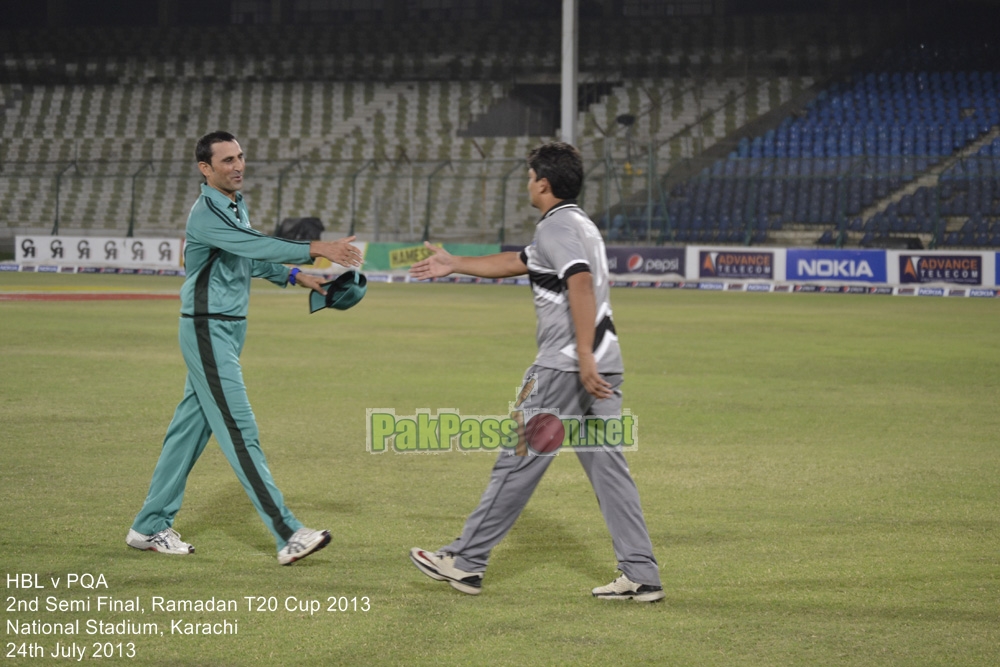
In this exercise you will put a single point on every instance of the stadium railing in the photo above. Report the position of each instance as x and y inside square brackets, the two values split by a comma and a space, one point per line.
[779, 201]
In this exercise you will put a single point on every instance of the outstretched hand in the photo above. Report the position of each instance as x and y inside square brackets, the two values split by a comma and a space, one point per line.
[441, 263]
[340, 251]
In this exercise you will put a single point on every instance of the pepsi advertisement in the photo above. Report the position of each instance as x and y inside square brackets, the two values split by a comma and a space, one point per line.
[635, 259]
[654, 261]
[842, 265]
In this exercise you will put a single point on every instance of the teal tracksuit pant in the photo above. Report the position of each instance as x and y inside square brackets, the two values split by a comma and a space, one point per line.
[215, 402]
[222, 253]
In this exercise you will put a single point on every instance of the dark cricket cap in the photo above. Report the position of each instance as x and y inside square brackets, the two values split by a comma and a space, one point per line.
[341, 293]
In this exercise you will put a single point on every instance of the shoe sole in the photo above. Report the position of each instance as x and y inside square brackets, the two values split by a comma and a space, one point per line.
[433, 573]
[654, 596]
[464, 588]
[319, 545]
[168, 553]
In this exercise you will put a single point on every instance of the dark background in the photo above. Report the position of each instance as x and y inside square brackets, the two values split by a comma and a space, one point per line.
[60, 13]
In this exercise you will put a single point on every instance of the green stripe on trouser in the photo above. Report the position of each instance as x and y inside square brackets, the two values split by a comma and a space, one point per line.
[215, 402]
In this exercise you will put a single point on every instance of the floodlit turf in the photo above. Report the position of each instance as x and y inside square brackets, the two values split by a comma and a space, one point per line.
[820, 475]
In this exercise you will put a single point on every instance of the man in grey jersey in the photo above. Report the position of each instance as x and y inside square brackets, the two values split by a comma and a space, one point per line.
[578, 371]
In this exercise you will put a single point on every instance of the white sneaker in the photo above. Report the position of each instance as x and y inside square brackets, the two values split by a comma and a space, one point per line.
[302, 543]
[624, 588]
[441, 566]
[167, 541]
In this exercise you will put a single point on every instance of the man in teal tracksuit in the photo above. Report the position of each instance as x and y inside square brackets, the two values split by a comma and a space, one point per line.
[221, 254]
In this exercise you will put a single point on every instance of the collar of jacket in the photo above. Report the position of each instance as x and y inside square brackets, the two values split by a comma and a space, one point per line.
[562, 204]
[218, 197]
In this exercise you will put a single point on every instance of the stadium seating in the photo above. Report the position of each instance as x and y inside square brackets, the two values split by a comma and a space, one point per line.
[354, 125]
[866, 158]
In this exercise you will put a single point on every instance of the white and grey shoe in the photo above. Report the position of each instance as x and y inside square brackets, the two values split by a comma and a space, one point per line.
[624, 588]
[303, 542]
[167, 541]
[441, 566]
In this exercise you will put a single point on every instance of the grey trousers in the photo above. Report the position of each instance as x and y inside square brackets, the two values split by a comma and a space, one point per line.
[514, 479]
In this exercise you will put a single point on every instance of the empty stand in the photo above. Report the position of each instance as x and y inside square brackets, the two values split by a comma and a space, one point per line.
[361, 126]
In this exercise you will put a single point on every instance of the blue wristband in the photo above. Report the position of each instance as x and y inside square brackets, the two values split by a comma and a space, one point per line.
[292, 274]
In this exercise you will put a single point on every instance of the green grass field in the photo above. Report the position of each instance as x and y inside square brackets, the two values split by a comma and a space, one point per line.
[820, 475]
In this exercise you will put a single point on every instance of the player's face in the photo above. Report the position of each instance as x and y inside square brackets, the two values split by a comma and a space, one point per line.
[225, 173]
[535, 189]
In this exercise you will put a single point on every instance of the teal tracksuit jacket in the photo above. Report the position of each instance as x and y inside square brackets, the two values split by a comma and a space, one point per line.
[222, 253]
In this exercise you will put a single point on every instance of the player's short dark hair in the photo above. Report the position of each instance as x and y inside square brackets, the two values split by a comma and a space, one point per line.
[203, 151]
[562, 165]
